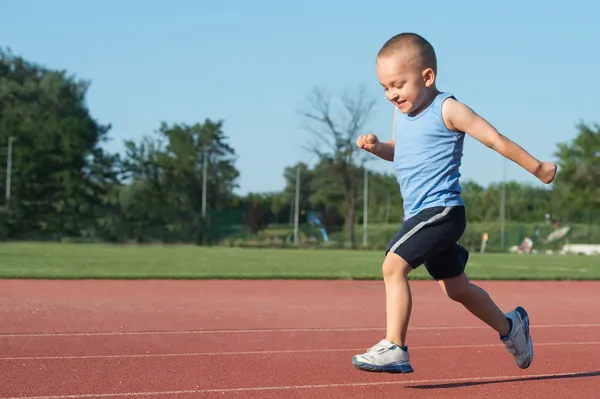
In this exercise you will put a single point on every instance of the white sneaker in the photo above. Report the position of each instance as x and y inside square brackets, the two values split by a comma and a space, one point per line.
[518, 342]
[385, 356]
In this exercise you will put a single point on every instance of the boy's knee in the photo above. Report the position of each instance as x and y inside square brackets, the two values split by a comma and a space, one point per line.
[395, 266]
[456, 288]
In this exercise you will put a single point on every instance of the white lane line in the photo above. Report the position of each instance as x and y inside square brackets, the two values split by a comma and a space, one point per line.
[274, 352]
[271, 330]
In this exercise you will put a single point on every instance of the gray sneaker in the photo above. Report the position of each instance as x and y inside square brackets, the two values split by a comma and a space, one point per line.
[385, 356]
[518, 342]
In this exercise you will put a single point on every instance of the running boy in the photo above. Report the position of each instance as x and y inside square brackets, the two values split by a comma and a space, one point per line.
[426, 153]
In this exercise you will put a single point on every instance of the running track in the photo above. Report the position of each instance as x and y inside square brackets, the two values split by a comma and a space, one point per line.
[283, 339]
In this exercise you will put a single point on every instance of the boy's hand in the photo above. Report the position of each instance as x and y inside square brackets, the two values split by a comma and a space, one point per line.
[369, 142]
[547, 172]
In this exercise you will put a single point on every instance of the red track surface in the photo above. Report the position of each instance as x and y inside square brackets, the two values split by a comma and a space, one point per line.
[283, 339]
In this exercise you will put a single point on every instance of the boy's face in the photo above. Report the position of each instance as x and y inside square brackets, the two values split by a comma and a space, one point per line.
[406, 85]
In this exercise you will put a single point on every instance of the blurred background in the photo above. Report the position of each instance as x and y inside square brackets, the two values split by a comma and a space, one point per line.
[234, 123]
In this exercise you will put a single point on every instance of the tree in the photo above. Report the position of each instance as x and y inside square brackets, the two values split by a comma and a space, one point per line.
[385, 201]
[335, 142]
[167, 179]
[60, 175]
[257, 216]
[473, 196]
[577, 184]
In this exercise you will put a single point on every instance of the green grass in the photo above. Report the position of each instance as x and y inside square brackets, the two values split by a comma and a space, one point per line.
[92, 261]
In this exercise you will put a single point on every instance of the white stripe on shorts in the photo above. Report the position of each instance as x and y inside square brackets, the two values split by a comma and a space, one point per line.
[418, 227]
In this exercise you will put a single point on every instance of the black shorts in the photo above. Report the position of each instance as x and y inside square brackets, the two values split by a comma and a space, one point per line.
[431, 238]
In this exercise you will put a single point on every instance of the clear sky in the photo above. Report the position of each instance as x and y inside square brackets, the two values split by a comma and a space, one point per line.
[529, 67]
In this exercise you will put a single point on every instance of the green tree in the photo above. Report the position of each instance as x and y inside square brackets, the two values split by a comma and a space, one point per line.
[257, 211]
[60, 175]
[167, 180]
[524, 202]
[385, 201]
[577, 184]
[473, 195]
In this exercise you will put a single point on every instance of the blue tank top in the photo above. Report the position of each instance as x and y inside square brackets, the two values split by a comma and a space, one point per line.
[427, 157]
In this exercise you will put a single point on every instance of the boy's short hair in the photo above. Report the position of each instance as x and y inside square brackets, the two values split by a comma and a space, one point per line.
[415, 45]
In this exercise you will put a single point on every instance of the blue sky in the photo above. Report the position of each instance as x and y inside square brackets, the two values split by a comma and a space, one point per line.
[529, 67]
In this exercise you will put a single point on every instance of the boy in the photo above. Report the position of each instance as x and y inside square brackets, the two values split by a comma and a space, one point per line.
[427, 156]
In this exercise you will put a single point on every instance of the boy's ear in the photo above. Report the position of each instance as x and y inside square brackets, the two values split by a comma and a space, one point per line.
[428, 77]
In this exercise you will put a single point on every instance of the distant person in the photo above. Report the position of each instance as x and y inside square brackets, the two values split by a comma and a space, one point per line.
[526, 246]
[427, 156]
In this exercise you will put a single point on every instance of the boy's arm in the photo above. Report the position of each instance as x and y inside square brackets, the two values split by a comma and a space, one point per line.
[370, 143]
[458, 116]
[386, 151]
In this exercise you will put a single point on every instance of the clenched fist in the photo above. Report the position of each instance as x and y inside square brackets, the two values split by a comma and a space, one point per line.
[369, 142]
[547, 172]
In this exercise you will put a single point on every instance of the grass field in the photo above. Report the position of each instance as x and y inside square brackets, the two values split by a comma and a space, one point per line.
[94, 261]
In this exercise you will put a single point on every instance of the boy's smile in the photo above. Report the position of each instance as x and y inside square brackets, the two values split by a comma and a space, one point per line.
[406, 86]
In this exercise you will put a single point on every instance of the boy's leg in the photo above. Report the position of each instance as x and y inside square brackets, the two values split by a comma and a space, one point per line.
[398, 298]
[477, 301]
[421, 237]
[405, 252]
[513, 328]
[391, 353]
